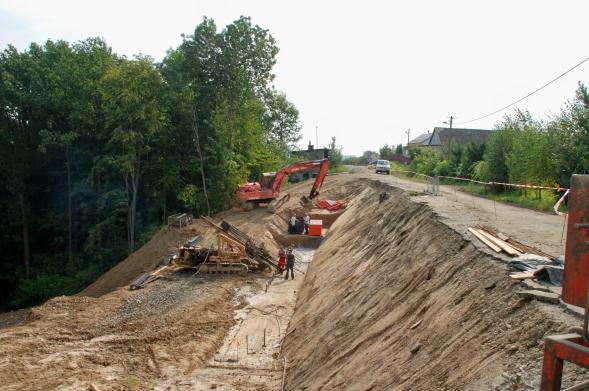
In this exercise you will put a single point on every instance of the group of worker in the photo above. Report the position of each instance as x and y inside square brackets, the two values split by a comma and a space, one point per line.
[292, 224]
[286, 259]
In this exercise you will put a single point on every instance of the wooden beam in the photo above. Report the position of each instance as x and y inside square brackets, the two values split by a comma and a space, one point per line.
[503, 245]
[484, 240]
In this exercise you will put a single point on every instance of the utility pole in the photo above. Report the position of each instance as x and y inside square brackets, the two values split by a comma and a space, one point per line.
[451, 119]
[316, 137]
[407, 132]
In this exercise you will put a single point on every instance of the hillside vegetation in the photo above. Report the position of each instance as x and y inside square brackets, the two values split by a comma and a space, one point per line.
[96, 149]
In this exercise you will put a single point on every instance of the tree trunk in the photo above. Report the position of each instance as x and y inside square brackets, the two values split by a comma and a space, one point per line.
[98, 218]
[129, 201]
[25, 232]
[69, 203]
[132, 209]
[202, 170]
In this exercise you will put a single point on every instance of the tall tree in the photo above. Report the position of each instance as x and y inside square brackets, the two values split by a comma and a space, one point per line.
[134, 117]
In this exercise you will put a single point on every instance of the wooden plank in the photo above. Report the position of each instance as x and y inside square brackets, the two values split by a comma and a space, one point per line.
[484, 240]
[503, 245]
[522, 275]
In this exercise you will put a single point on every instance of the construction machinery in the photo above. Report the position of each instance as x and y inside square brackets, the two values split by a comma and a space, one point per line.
[574, 347]
[229, 257]
[268, 189]
[235, 253]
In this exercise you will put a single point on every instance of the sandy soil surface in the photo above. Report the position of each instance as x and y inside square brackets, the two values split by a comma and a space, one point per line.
[390, 278]
[161, 336]
[249, 358]
[396, 298]
[123, 340]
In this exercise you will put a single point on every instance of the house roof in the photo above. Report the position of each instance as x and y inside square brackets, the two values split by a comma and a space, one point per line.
[422, 139]
[445, 136]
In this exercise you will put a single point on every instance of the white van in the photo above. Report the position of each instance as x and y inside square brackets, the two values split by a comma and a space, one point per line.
[383, 166]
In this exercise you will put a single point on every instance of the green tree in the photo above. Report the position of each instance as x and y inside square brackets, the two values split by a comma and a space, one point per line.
[385, 152]
[335, 154]
[134, 119]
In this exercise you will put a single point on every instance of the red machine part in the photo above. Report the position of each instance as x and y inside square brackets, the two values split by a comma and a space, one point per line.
[575, 276]
[572, 347]
[269, 186]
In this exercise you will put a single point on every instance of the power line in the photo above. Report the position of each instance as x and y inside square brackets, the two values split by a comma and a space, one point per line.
[527, 96]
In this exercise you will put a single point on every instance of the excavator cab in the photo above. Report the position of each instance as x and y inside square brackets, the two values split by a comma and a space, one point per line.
[267, 180]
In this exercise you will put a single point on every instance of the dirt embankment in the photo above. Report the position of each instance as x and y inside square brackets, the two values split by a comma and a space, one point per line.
[145, 259]
[395, 299]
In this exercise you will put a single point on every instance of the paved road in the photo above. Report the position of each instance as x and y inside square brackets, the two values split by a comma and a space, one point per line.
[461, 210]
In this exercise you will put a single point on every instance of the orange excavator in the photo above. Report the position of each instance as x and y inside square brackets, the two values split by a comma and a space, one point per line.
[268, 189]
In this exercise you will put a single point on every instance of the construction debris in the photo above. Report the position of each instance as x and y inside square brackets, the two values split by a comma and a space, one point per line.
[546, 297]
[494, 242]
[146, 278]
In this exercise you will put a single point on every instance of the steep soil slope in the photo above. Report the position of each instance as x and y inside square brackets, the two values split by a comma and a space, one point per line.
[396, 300]
[144, 259]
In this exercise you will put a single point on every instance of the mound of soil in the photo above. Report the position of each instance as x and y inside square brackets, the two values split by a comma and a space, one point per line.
[122, 340]
[395, 299]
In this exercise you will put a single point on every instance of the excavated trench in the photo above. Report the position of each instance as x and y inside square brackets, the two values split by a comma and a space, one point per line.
[394, 299]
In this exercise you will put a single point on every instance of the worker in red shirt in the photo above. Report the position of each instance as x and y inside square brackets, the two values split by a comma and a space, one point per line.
[281, 260]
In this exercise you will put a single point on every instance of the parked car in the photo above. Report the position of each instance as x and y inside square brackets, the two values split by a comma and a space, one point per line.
[383, 166]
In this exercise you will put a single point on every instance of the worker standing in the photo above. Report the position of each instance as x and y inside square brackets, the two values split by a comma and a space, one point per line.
[307, 221]
[281, 260]
[290, 260]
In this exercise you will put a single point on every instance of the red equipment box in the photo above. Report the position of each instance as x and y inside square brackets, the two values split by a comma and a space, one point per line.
[315, 227]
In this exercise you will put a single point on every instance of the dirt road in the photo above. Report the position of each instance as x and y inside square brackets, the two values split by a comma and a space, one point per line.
[461, 210]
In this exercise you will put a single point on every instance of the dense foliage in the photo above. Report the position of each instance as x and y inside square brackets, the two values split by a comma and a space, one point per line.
[97, 149]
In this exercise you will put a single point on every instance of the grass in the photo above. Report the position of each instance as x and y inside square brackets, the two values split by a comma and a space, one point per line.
[339, 169]
[543, 200]
[396, 167]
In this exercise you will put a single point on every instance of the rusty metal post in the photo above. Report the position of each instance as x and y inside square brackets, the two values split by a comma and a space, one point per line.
[551, 368]
[575, 289]
[575, 278]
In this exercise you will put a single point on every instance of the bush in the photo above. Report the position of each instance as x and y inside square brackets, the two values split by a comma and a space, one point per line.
[443, 168]
[36, 290]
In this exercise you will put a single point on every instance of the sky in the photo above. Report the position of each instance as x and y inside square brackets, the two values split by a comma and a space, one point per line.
[363, 72]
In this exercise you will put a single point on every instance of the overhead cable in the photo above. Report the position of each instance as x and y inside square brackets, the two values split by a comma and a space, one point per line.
[526, 96]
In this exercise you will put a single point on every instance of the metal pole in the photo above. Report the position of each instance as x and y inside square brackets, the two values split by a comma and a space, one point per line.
[316, 137]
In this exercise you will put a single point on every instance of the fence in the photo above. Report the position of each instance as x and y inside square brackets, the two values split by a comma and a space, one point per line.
[433, 185]
[180, 220]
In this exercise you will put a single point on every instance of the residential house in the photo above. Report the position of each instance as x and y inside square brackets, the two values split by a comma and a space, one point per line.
[445, 137]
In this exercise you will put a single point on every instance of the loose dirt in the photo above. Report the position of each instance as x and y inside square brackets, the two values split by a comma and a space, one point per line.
[398, 296]
[395, 299]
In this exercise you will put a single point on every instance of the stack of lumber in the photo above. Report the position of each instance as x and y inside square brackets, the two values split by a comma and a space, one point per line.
[495, 242]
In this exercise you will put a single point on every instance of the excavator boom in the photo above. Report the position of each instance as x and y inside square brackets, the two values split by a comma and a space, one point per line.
[266, 190]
